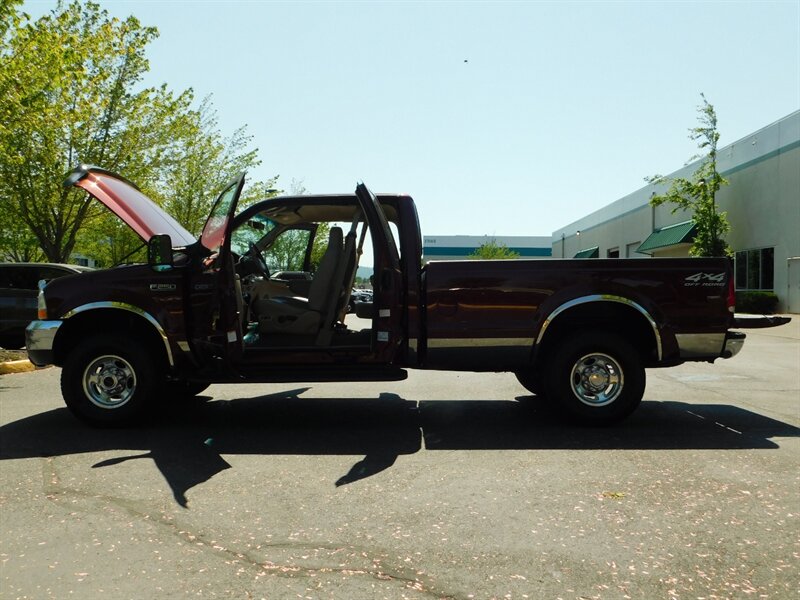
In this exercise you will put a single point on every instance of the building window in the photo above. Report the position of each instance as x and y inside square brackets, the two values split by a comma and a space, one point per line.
[612, 253]
[755, 269]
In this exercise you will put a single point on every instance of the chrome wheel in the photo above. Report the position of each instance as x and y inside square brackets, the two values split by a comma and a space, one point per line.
[596, 379]
[109, 381]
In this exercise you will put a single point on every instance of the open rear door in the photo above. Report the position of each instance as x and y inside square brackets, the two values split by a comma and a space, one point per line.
[387, 281]
[217, 332]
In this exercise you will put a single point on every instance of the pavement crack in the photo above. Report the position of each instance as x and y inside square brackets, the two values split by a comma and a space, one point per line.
[55, 490]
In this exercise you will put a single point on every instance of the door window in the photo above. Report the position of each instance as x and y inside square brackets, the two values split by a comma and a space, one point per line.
[214, 231]
[289, 251]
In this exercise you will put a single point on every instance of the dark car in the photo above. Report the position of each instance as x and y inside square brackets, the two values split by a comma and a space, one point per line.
[18, 291]
[360, 301]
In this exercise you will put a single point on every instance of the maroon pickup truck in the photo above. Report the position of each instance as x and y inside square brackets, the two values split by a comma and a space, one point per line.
[228, 307]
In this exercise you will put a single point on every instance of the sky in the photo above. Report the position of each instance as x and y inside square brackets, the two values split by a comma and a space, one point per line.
[499, 118]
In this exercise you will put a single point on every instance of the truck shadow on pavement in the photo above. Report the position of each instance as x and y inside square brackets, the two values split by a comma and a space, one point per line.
[187, 441]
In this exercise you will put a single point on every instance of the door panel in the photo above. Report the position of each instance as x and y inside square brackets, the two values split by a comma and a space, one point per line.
[388, 292]
[217, 332]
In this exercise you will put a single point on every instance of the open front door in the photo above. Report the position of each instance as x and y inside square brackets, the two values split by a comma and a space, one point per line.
[217, 302]
[387, 280]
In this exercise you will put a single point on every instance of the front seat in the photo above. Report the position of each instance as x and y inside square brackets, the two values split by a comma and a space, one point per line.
[297, 315]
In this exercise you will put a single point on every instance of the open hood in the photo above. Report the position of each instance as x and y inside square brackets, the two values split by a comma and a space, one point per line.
[125, 200]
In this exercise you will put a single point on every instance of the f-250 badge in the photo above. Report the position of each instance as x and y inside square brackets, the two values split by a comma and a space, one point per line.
[704, 280]
[162, 287]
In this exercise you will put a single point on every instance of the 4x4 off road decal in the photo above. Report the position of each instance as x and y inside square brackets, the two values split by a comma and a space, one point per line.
[705, 280]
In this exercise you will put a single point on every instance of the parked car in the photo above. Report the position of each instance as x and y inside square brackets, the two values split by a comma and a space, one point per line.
[359, 298]
[18, 291]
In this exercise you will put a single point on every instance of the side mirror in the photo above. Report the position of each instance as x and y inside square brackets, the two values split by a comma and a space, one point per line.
[159, 252]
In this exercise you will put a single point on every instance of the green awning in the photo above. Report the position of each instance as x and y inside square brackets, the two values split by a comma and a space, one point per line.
[680, 233]
[588, 253]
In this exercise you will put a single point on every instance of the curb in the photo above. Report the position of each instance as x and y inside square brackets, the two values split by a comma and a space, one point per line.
[16, 366]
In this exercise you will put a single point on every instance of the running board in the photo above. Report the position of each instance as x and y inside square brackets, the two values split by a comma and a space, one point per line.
[289, 374]
[745, 321]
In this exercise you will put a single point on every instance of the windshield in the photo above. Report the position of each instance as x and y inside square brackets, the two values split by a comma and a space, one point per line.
[251, 231]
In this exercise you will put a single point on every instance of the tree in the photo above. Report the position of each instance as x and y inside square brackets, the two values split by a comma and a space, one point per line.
[70, 92]
[698, 194]
[492, 250]
[9, 16]
[203, 161]
[67, 96]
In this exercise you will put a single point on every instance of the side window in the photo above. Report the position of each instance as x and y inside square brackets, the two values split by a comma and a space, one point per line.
[50, 273]
[755, 269]
[396, 235]
[5, 281]
[288, 251]
[22, 278]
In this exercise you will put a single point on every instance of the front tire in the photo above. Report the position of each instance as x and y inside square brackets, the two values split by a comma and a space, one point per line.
[107, 382]
[596, 377]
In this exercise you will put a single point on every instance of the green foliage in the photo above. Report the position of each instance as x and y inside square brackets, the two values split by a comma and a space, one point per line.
[17, 243]
[204, 161]
[65, 97]
[492, 250]
[9, 16]
[110, 242]
[289, 251]
[698, 194]
[320, 244]
[70, 92]
[762, 303]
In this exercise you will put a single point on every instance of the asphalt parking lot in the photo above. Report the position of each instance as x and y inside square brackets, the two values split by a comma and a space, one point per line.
[443, 486]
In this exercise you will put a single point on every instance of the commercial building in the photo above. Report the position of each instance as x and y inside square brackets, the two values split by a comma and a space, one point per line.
[454, 247]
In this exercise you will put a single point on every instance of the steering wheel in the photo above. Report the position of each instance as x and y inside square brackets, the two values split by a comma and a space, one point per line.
[258, 261]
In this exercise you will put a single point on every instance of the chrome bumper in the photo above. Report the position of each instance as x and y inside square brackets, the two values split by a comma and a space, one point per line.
[39, 337]
[709, 346]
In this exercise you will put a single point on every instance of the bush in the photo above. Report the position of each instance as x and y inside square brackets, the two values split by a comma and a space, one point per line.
[762, 303]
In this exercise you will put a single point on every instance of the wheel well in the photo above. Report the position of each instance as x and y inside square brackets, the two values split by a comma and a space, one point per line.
[621, 319]
[128, 325]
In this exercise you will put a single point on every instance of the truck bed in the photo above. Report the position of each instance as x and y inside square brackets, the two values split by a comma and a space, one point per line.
[489, 312]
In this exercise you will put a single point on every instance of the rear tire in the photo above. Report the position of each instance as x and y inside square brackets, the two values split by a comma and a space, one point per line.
[107, 382]
[596, 377]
